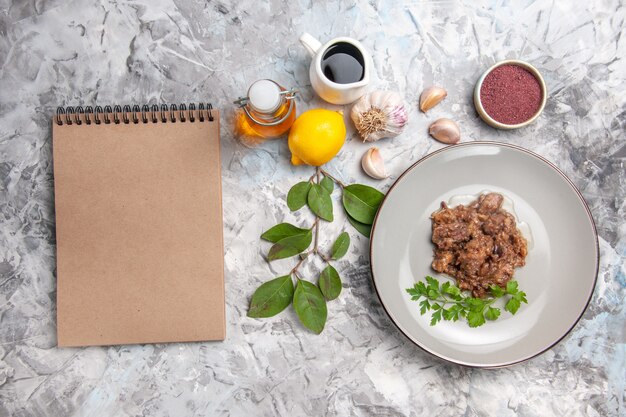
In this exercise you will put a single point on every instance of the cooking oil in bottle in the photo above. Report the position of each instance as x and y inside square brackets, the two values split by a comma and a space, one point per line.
[267, 112]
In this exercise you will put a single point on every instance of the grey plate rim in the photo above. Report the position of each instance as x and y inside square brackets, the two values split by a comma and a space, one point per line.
[567, 181]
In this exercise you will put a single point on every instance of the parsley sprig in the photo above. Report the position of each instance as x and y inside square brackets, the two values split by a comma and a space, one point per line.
[436, 297]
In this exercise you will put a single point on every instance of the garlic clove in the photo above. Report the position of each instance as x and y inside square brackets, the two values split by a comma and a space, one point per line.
[431, 97]
[373, 164]
[445, 131]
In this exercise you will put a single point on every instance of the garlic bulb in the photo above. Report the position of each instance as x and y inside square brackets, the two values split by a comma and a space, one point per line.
[379, 114]
[373, 165]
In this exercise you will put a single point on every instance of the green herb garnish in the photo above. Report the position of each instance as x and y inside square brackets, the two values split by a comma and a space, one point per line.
[437, 297]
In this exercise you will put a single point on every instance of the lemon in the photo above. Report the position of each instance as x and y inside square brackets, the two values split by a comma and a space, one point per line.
[316, 137]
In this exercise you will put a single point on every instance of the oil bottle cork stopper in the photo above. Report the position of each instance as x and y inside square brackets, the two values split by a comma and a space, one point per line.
[264, 96]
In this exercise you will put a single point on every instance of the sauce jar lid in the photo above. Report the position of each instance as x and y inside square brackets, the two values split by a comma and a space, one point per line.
[264, 96]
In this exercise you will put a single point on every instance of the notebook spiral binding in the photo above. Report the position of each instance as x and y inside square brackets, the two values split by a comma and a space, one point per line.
[126, 114]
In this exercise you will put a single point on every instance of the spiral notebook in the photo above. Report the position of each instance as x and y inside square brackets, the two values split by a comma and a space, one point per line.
[138, 225]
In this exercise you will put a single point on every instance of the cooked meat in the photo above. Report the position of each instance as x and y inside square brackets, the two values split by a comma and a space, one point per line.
[490, 203]
[478, 244]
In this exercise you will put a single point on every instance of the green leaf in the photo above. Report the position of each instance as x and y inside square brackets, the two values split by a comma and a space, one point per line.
[435, 318]
[512, 305]
[433, 284]
[433, 288]
[455, 310]
[475, 318]
[362, 228]
[320, 202]
[310, 306]
[521, 296]
[492, 313]
[497, 291]
[475, 304]
[452, 290]
[296, 198]
[421, 287]
[362, 202]
[451, 314]
[290, 246]
[271, 297]
[424, 306]
[279, 251]
[328, 184]
[341, 245]
[281, 231]
[511, 287]
[330, 283]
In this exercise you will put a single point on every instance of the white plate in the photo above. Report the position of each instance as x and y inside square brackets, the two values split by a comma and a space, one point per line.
[560, 271]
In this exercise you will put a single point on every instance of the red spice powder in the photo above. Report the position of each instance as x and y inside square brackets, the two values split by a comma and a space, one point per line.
[511, 94]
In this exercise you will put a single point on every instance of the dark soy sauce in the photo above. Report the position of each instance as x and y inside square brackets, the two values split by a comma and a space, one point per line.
[343, 63]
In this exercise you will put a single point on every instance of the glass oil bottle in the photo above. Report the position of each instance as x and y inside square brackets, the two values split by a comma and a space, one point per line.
[267, 111]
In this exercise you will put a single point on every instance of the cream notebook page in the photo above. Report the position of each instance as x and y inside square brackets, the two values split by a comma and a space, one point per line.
[139, 230]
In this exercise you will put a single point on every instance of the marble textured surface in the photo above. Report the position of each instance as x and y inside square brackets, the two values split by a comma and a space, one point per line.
[84, 52]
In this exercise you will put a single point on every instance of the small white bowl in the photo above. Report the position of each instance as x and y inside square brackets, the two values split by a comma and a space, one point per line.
[481, 110]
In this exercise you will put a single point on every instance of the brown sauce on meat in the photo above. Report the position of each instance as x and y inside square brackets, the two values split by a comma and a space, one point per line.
[478, 244]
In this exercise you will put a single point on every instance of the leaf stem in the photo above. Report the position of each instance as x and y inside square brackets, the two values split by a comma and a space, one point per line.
[316, 226]
[445, 301]
[317, 233]
[317, 220]
[341, 184]
[302, 259]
